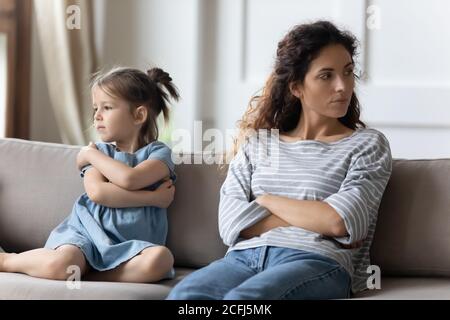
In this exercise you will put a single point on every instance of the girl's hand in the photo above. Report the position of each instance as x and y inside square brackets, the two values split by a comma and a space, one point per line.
[164, 194]
[82, 157]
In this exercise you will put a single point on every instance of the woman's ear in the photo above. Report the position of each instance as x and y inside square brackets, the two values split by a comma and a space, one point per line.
[295, 90]
[140, 114]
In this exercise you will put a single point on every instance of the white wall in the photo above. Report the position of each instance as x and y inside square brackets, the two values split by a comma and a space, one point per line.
[407, 95]
[407, 92]
[219, 53]
[140, 34]
[149, 33]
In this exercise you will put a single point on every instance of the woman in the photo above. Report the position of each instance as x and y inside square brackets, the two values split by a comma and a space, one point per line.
[300, 229]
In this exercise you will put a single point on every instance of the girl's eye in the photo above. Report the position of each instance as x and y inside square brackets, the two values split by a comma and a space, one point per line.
[349, 72]
[95, 110]
[107, 108]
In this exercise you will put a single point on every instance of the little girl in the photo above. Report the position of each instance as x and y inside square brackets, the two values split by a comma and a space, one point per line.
[117, 229]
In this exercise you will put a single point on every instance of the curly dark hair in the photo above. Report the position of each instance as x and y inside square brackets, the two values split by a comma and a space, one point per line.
[277, 107]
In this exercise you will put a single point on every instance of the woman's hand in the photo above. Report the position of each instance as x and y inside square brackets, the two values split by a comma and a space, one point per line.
[354, 245]
[266, 224]
[262, 200]
[164, 194]
[83, 155]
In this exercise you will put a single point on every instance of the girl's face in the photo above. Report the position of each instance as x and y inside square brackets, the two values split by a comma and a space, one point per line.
[113, 120]
[329, 82]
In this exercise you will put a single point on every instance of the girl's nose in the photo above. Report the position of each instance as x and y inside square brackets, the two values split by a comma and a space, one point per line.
[97, 115]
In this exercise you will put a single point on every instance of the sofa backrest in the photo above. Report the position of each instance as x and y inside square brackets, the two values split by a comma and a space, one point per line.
[412, 236]
[39, 184]
[193, 222]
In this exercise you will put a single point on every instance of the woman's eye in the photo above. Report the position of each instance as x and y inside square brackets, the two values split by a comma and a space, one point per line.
[325, 76]
[349, 72]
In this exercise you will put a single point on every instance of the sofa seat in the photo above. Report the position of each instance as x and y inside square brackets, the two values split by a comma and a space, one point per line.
[20, 286]
[16, 286]
[409, 288]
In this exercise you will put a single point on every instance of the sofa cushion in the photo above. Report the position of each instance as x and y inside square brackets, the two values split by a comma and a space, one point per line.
[409, 288]
[19, 286]
[39, 184]
[193, 228]
[412, 236]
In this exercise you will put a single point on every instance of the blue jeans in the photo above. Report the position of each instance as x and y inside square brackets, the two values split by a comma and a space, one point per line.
[267, 273]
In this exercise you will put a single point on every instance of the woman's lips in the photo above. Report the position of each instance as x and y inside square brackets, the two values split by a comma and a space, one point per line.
[340, 101]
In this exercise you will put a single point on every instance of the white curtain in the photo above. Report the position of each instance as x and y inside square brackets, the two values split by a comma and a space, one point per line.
[3, 82]
[66, 36]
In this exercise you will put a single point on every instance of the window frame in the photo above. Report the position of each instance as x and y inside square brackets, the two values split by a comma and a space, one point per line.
[15, 22]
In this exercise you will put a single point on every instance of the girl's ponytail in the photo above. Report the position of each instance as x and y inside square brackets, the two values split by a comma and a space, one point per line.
[163, 81]
[161, 77]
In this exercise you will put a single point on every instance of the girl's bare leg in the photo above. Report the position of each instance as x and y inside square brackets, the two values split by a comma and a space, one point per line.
[45, 263]
[150, 265]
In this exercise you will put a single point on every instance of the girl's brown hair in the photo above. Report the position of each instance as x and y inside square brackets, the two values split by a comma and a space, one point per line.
[152, 90]
[277, 107]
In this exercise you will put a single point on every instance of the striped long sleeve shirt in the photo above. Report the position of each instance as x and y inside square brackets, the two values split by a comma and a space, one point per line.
[349, 174]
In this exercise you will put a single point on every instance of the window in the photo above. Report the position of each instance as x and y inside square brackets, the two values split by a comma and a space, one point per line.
[3, 74]
[15, 44]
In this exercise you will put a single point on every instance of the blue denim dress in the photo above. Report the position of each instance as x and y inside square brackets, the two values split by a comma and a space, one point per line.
[111, 236]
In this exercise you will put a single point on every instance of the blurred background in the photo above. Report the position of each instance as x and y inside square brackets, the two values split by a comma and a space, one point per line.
[219, 54]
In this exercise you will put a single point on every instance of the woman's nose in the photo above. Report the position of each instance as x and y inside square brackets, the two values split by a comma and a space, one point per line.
[340, 84]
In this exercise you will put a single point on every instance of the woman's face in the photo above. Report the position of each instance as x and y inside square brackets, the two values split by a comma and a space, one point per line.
[329, 82]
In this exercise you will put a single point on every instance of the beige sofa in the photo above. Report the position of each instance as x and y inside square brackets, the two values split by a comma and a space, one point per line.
[39, 184]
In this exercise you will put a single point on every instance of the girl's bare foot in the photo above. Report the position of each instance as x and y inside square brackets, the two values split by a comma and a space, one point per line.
[3, 257]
